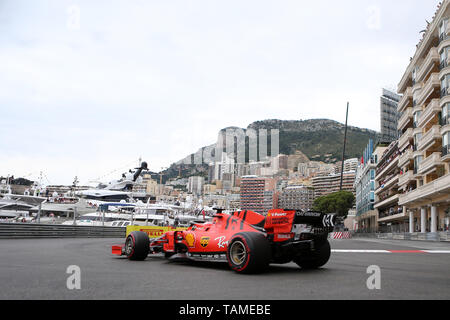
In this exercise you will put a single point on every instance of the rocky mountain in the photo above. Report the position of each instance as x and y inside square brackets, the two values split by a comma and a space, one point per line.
[318, 139]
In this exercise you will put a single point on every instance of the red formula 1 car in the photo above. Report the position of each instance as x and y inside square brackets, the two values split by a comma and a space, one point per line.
[248, 241]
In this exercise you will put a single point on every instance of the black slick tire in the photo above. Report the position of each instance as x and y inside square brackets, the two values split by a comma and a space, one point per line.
[137, 246]
[248, 252]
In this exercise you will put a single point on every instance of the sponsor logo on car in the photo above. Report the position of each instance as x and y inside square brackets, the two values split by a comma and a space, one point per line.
[190, 239]
[204, 241]
[222, 243]
[153, 233]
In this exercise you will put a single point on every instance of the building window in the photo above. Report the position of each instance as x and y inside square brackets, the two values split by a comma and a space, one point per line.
[417, 161]
[445, 115]
[442, 27]
[413, 76]
[444, 85]
[446, 144]
[443, 58]
[416, 117]
[417, 138]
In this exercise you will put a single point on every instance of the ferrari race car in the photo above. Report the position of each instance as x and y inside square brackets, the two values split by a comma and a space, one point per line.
[248, 241]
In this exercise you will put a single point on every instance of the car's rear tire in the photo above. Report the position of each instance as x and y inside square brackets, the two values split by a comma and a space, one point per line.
[248, 252]
[137, 246]
[316, 258]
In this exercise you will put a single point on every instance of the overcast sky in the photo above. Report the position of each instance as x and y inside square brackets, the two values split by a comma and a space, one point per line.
[88, 86]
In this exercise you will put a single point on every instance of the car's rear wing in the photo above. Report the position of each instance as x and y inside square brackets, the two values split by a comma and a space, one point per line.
[315, 219]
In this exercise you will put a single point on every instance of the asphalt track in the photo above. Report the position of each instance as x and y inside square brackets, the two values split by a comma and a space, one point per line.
[36, 269]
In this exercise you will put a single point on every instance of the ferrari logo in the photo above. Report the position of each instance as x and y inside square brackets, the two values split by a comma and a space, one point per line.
[190, 239]
[204, 241]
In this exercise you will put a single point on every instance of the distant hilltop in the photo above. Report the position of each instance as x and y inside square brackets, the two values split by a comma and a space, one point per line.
[317, 139]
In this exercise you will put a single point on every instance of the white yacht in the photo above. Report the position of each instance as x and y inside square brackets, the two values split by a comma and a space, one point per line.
[116, 190]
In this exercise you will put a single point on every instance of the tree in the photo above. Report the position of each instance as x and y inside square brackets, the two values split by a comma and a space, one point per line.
[339, 202]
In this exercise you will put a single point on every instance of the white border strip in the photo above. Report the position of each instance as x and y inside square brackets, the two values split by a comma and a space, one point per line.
[359, 251]
[391, 251]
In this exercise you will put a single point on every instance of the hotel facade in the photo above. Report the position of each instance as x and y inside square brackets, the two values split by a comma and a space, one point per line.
[424, 129]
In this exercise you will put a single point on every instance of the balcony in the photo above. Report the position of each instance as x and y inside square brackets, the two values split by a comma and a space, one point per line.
[430, 61]
[386, 202]
[405, 139]
[388, 184]
[430, 86]
[387, 168]
[406, 100]
[393, 217]
[405, 118]
[430, 138]
[431, 110]
[430, 164]
[416, 87]
[405, 158]
[427, 192]
[406, 178]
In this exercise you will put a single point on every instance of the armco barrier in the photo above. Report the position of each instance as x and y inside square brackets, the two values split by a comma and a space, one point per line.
[438, 236]
[32, 230]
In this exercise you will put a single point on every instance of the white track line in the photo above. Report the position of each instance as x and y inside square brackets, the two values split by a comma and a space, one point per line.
[359, 251]
[437, 251]
[391, 251]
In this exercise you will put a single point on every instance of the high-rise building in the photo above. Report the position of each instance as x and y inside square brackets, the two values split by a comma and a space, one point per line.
[389, 116]
[349, 165]
[424, 125]
[365, 190]
[195, 185]
[324, 185]
[366, 217]
[252, 193]
[296, 198]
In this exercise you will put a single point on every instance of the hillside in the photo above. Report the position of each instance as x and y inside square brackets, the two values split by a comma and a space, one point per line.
[318, 139]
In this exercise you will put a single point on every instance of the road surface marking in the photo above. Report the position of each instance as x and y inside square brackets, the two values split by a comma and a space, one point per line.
[391, 251]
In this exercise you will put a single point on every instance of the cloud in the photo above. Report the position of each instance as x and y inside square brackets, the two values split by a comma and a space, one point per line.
[89, 85]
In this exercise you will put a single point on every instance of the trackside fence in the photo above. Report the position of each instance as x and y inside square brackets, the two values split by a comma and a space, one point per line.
[29, 231]
[437, 236]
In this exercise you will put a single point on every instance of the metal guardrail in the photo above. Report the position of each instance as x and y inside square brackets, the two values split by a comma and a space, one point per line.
[438, 236]
[29, 231]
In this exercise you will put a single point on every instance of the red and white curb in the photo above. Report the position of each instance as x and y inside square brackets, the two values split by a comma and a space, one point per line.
[391, 251]
[341, 235]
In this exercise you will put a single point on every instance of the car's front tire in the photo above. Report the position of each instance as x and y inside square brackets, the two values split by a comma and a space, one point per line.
[137, 246]
[316, 258]
[248, 252]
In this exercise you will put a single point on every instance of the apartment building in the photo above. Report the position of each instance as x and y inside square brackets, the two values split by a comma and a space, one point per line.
[366, 215]
[297, 198]
[391, 216]
[252, 193]
[349, 165]
[195, 185]
[389, 115]
[324, 185]
[424, 125]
